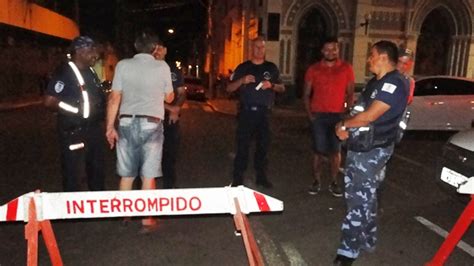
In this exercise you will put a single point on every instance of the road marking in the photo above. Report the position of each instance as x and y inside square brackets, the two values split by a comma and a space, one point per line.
[406, 159]
[268, 247]
[293, 255]
[440, 231]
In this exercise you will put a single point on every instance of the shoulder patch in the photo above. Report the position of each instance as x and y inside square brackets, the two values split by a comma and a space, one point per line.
[389, 87]
[174, 77]
[59, 86]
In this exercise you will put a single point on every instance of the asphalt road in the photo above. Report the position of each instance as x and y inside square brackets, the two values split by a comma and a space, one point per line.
[306, 233]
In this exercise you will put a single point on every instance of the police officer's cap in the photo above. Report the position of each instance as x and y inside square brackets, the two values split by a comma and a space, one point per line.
[405, 52]
[82, 42]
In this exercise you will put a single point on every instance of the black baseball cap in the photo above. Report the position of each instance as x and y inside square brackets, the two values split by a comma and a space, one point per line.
[82, 42]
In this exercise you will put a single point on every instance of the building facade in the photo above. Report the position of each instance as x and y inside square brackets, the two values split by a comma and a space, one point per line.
[440, 32]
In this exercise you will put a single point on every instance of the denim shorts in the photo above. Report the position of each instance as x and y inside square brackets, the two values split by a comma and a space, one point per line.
[140, 146]
[325, 140]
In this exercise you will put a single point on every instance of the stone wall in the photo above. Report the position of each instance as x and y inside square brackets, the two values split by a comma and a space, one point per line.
[27, 62]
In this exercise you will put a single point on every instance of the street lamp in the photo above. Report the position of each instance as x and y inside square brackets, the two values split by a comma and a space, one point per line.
[170, 31]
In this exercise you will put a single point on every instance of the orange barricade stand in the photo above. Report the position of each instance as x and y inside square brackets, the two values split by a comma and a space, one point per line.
[32, 228]
[454, 236]
[242, 224]
[67, 205]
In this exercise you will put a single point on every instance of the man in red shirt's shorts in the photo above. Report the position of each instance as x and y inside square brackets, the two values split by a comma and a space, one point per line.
[328, 93]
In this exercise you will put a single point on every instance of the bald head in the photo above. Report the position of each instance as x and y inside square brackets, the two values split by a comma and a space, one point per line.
[258, 50]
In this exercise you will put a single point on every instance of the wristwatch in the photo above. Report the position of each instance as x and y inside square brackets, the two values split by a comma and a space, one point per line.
[342, 126]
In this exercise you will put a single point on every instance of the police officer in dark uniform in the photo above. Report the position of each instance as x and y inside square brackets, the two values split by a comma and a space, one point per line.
[171, 121]
[257, 81]
[76, 94]
[371, 135]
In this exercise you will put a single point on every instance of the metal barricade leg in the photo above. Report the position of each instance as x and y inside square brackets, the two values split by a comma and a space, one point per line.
[454, 236]
[31, 235]
[242, 224]
[32, 228]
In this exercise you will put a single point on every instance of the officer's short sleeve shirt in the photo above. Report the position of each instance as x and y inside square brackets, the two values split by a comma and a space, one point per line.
[64, 86]
[176, 77]
[249, 95]
[393, 90]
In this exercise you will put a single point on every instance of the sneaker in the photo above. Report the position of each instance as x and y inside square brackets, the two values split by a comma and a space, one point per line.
[148, 229]
[264, 184]
[343, 261]
[315, 188]
[335, 189]
[149, 225]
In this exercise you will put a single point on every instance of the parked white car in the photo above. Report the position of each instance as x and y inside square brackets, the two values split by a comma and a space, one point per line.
[442, 103]
[456, 164]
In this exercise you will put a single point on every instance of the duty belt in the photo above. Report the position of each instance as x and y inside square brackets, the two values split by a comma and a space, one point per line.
[254, 107]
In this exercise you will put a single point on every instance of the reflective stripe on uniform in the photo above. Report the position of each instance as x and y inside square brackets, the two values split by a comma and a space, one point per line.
[85, 95]
[68, 108]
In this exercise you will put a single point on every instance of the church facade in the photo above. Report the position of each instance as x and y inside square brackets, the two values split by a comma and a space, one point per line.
[439, 32]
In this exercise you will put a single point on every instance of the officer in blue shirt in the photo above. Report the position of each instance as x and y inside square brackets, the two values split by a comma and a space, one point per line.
[76, 94]
[257, 81]
[384, 101]
[171, 121]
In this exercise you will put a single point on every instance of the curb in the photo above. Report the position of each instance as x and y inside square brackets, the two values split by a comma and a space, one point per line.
[216, 109]
[281, 110]
[8, 106]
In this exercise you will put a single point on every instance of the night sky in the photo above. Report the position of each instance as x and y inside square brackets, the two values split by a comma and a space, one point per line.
[105, 21]
[97, 18]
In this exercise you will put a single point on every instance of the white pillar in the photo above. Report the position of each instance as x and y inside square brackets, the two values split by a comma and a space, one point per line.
[470, 64]
[361, 41]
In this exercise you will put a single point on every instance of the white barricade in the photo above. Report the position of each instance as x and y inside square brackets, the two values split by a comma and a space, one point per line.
[101, 204]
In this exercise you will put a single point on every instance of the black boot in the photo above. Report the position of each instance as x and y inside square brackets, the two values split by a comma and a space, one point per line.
[343, 261]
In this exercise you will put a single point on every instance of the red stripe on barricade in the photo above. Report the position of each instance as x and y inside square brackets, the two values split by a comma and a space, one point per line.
[12, 208]
[261, 202]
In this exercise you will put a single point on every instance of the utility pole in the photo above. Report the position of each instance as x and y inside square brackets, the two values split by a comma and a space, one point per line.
[210, 52]
[120, 28]
[77, 17]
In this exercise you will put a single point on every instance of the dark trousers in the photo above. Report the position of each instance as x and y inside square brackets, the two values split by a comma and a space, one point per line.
[170, 152]
[252, 123]
[92, 155]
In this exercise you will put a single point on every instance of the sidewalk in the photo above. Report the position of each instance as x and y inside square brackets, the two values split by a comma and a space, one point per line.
[27, 100]
[229, 107]
[220, 105]
[223, 105]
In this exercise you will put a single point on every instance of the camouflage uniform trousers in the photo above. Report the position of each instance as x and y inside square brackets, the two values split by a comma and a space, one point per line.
[364, 171]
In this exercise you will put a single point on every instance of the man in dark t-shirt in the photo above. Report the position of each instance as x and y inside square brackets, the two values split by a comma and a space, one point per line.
[257, 81]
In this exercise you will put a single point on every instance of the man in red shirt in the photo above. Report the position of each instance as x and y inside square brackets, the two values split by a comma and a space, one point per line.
[328, 94]
[404, 65]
